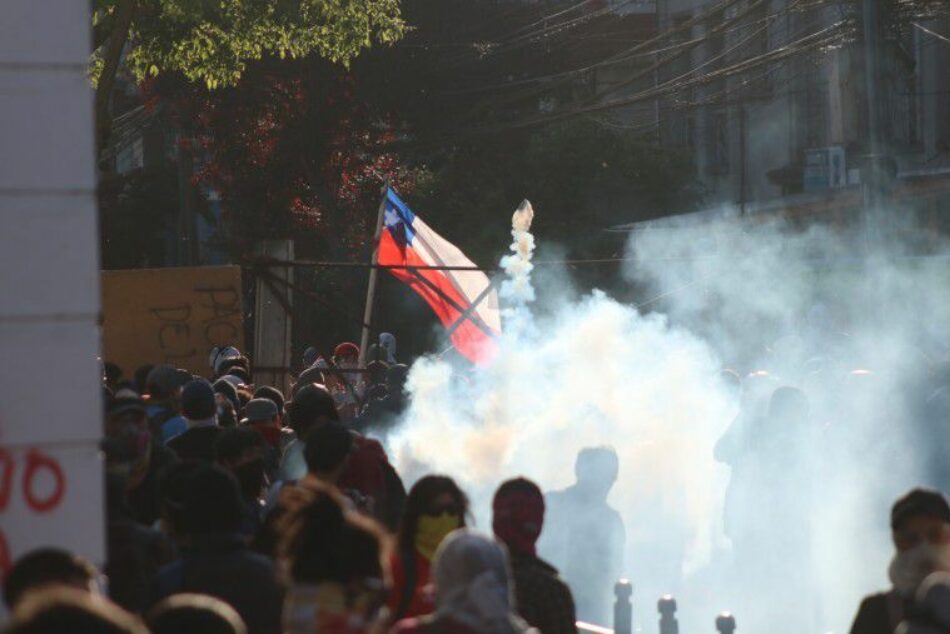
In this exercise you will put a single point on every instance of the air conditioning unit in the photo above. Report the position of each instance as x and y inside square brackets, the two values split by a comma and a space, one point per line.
[825, 168]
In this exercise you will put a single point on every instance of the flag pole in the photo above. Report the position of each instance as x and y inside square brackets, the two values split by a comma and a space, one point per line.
[373, 272]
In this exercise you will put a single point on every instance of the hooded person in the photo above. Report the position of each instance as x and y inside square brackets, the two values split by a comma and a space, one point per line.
[387, 341]
[199, 408]
[544, 600]
[920, 527]
[473, 590]
[134, 460]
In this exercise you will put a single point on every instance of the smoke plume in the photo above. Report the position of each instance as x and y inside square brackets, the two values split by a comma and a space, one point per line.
[776, 514]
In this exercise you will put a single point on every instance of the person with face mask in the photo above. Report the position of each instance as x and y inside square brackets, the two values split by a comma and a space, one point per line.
[920, 527]
[261, 415]
[544, 600]
[134, 461]
[435, 507]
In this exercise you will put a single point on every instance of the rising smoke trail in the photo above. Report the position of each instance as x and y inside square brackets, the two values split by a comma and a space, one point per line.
[518, 265]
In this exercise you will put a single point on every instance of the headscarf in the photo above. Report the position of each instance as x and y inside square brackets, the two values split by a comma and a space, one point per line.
[517, 519]
[473, 584]
[388, 343]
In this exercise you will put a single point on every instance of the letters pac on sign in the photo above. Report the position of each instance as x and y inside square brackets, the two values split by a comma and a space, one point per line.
[173, 316]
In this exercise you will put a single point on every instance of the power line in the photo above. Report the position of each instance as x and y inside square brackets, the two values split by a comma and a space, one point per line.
[614, 59]
[754, 5]
[713, 10]
[621, 56]
[933, 33]
[551, 16]
[548, 31]
[803, 44]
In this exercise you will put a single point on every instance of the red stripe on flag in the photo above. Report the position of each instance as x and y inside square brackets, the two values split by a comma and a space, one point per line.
[470, 340]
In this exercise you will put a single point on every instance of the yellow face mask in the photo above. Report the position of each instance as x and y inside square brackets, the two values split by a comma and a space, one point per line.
[432, 529]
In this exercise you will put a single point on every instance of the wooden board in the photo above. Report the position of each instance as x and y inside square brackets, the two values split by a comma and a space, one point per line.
[173, 315]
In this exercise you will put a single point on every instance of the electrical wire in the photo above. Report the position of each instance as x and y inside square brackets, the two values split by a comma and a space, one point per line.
[806, 43]
[735, 21]
[933, 33]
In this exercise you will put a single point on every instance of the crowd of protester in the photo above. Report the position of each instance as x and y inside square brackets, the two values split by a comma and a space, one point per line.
[234, 507]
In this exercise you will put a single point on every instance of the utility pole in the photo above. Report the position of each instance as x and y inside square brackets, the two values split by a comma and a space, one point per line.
[743, 141]
[874, 180]
[874, 185]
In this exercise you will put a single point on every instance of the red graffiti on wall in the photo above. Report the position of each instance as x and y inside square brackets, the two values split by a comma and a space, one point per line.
[36, 462]
[36, 465]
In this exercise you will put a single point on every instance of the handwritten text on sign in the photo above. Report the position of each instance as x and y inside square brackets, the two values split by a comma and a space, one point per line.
[172, 316]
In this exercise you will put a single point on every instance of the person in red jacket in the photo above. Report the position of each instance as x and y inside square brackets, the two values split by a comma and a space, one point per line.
[436, 506]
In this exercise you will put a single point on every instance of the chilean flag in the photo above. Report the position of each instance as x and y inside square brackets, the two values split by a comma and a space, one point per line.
[406, 241]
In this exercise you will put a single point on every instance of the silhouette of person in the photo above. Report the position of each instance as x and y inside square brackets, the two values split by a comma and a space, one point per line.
[584, 536]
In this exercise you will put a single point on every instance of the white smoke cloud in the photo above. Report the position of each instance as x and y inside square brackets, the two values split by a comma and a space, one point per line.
[805, 306]
[852, 324]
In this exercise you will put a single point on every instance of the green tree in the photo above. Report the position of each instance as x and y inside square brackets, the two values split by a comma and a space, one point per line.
[211, 41]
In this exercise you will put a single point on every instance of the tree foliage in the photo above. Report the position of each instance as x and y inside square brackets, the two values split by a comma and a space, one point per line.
[212, 41]
[291, 153]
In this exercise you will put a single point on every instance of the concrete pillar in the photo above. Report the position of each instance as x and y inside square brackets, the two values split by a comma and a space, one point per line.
[50, 386]
[273, 324]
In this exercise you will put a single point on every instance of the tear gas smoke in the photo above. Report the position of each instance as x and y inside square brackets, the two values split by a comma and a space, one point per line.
[805, 530]
[517, 266]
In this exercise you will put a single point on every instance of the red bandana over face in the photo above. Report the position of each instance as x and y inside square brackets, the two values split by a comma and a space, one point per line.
[518, 519]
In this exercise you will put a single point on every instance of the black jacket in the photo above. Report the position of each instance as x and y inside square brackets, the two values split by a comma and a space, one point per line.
[544, 600]
[221, 565]
[880, 614]
[196, 444]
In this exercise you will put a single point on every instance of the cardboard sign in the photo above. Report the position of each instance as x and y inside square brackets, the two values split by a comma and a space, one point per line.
[172, 316]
